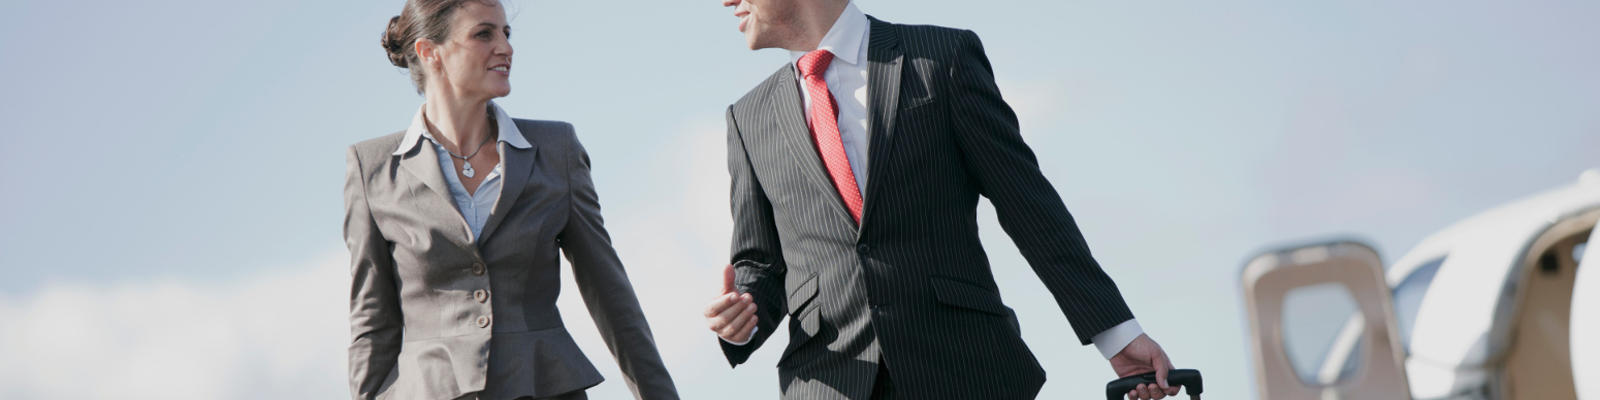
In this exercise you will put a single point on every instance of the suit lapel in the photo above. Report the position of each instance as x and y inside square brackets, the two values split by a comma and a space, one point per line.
[791, 121]
[883, 104]
[423, 165]
[518, 166]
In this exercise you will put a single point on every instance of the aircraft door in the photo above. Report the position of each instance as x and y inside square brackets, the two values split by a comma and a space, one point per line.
[1288, 291]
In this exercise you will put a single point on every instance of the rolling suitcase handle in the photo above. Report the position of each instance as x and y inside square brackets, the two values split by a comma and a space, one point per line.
[1188, 378]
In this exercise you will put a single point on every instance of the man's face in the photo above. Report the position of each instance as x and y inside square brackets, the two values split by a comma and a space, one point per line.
[765, 23]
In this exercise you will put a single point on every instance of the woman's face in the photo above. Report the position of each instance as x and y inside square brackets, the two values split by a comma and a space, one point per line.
[474, 62]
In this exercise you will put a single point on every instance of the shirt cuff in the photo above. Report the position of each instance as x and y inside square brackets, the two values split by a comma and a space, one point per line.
[1111, 341]
[757, 328]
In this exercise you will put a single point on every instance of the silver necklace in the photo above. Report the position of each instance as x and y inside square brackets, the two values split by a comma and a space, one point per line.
[466, 161]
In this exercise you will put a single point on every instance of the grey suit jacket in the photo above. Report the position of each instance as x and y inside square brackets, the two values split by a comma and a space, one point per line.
[435, 313]
[910, 285]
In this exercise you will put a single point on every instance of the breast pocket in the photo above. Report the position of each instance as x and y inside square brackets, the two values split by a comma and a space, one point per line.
[909, 104]
[917, 85]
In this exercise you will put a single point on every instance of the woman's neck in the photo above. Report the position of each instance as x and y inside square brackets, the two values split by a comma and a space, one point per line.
[459, 124]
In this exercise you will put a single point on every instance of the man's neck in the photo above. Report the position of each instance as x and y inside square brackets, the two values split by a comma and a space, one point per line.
[814, 22]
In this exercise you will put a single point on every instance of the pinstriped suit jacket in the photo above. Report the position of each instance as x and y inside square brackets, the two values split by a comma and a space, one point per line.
[911, 286]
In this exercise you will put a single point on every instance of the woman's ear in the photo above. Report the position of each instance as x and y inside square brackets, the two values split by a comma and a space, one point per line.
[427, 52]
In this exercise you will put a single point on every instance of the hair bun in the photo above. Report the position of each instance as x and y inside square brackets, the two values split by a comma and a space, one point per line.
[393, 44]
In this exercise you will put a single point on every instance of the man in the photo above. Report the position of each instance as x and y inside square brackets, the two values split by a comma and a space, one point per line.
[856, 172]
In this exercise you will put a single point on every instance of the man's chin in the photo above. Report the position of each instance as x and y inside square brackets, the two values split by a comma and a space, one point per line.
[751, 42]
[758, 44]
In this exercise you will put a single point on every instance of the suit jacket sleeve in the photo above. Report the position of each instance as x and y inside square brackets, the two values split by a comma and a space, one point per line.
[606, 289]
[375, 321]
[757, 257]
[1029, 209]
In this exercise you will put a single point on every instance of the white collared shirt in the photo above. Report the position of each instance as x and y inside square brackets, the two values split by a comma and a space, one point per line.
[847, 40]
[474, 207]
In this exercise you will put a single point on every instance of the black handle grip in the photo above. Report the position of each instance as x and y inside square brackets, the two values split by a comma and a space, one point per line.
[1188, 378]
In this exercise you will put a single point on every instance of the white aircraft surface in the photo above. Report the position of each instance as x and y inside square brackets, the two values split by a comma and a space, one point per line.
[1496, 306]
[1586, 323]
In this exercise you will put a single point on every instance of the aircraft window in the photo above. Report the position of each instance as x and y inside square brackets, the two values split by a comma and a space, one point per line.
[1408, 298]
[1577, 252]
[1315, 320]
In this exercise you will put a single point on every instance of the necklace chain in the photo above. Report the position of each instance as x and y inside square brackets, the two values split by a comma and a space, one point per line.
[474, 152]
[466, 161]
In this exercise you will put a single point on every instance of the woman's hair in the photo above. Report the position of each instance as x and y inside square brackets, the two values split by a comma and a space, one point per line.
[428, 19]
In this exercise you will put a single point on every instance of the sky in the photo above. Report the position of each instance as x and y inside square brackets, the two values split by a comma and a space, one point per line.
[173, 168]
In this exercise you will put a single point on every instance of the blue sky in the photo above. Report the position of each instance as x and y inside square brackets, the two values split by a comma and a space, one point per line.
[173, 167]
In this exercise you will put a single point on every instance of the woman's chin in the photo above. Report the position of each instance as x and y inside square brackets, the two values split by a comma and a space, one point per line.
[500, 90]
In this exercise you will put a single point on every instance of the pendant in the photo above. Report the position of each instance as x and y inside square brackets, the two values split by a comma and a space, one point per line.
[466, 169]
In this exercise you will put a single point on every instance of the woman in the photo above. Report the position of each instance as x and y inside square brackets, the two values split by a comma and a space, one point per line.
[454, 240]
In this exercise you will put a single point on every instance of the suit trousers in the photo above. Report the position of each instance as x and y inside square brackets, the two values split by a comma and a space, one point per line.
[578, 395]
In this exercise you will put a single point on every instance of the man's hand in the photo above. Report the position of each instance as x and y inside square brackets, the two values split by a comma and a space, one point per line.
[732, 315]
[1143, 356]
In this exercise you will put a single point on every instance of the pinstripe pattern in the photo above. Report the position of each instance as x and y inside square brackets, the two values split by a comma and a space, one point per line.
[912, 287]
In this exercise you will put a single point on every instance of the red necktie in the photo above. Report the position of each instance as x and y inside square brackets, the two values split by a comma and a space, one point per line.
[824, 118]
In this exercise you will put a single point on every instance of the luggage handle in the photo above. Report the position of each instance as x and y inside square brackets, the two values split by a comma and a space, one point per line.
[1188, 378]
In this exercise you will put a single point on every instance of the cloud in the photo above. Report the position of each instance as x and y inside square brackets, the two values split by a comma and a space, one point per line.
[278, 335]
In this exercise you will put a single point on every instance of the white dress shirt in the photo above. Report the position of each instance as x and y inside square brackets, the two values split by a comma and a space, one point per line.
[474, 207]
[847, 74]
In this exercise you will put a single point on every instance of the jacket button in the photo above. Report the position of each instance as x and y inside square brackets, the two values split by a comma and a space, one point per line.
[483, 321]
[480, 295]
[478, 269]
[863, 248]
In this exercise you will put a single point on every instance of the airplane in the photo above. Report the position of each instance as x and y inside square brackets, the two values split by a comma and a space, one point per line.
[1495, 306]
